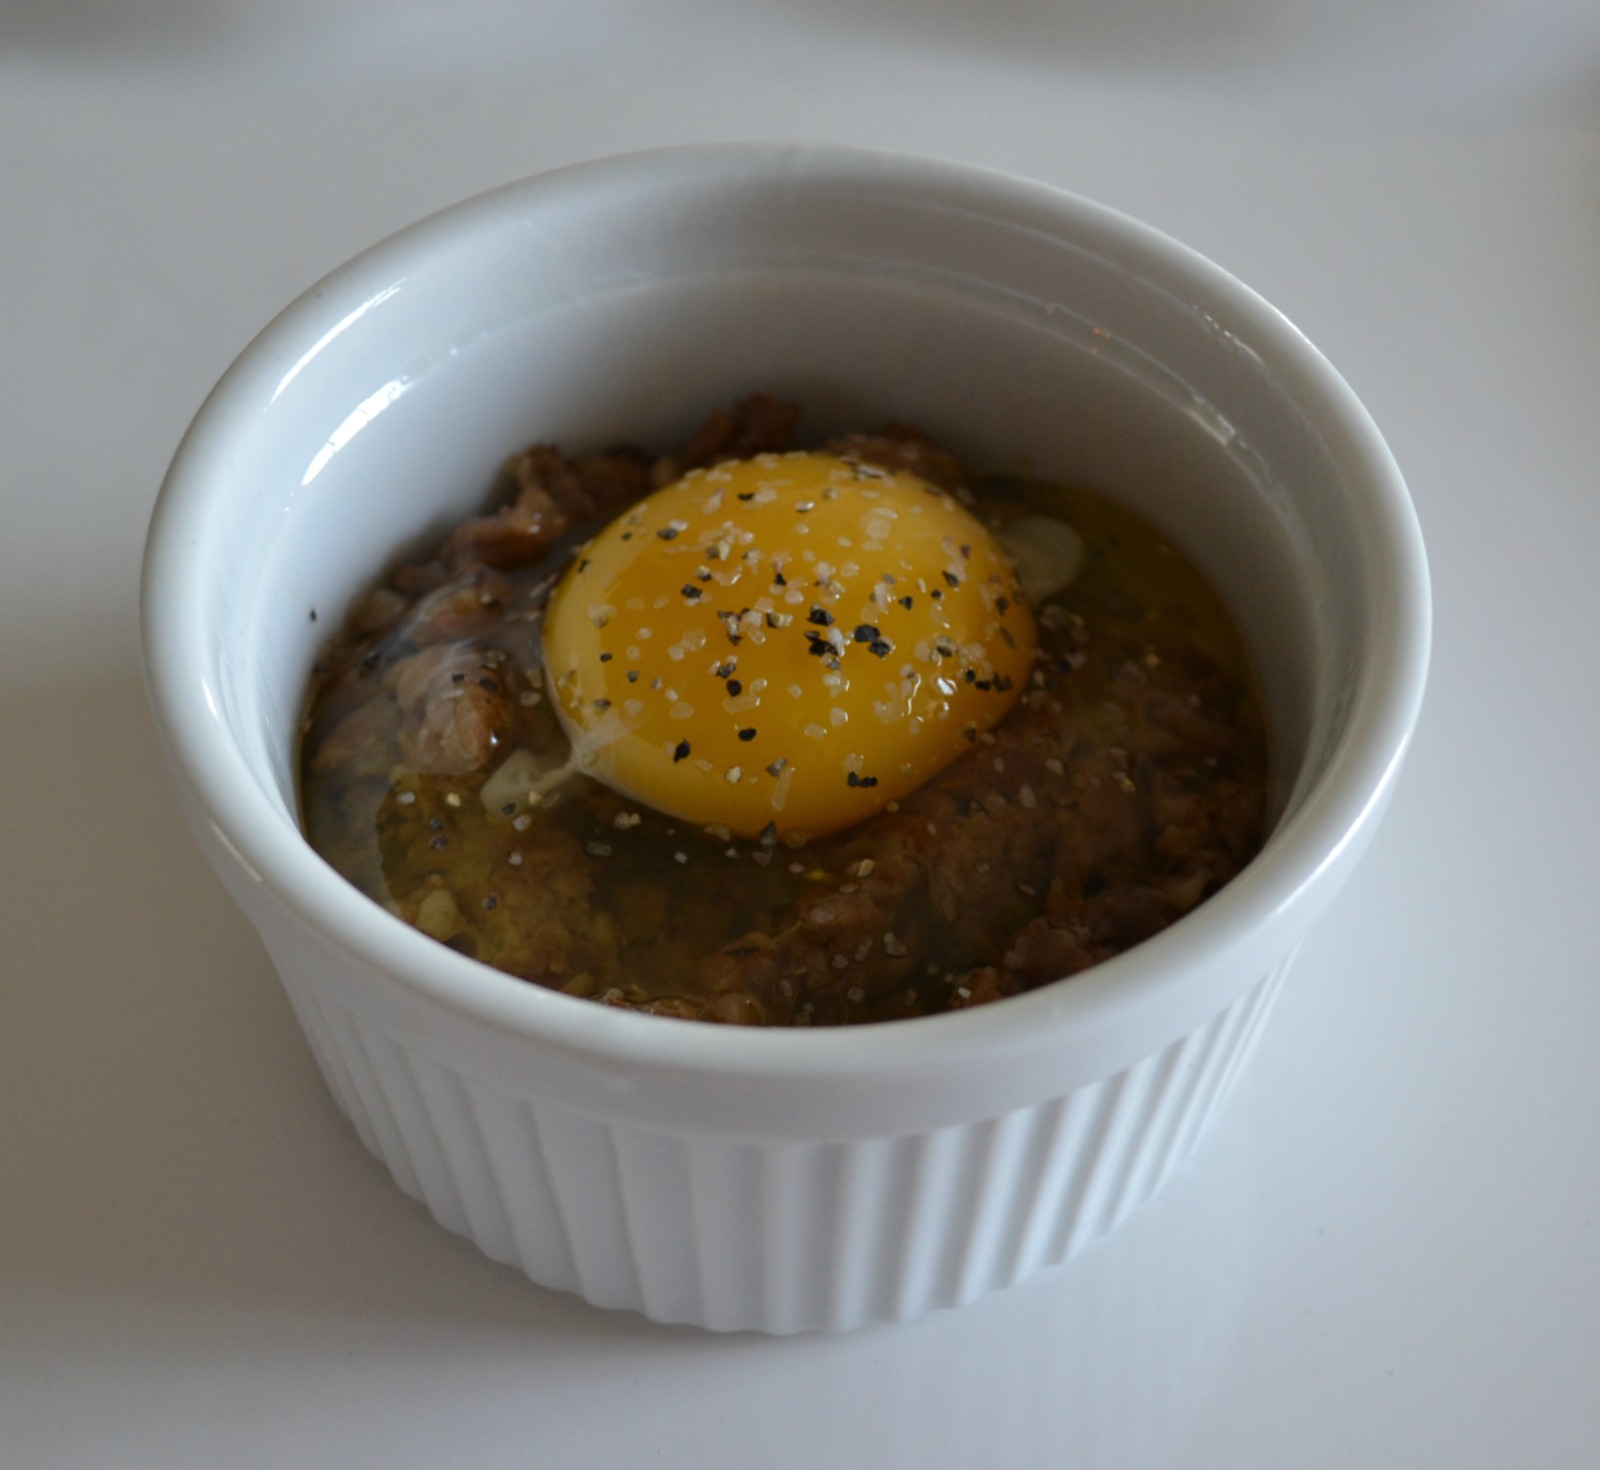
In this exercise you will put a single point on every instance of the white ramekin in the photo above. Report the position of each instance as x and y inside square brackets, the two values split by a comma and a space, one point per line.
[781, 1180]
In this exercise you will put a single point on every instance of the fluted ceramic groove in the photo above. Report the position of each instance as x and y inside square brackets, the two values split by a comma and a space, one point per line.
[787, 1274]
[1232, 1026]
[1032, 1189]
[914, 1224]
[450, 1116]
[726, 1185]
[539, 1226]
[858, 1176]
[540, 1124]
[391, 1147]
[1040, 1205]
[818, 1231]
[1082, 1120]
[397, 1085]
[378, 1053]
[1125, 1092]
[1212, 1049]
[1154, 1150]
[718, 1265]
[1180, 1088]
[1126, 1167]
[1100, 1107]
[858, 1223]
[1258, 1006]
[315, 1016]
[955, 1154]
[582, 1164]
[818, 1179]
[992, 1158]
[654, 1182]
[1027, 1167]
[308, 1011]
[484, 1196]
[1238, 1028]
[1239, 1025]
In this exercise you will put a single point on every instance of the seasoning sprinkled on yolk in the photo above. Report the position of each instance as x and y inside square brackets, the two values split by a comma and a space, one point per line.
[785, 644]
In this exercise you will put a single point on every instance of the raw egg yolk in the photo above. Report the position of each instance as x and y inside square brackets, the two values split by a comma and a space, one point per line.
[784, 644]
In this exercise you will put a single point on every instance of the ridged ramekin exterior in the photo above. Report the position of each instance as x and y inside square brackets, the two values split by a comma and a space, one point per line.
[774, 1235]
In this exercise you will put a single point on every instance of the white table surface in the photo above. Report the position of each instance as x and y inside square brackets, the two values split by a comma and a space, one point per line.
[1385, 1254]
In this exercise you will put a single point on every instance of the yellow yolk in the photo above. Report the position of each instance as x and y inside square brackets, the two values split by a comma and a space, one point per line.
[784, 643]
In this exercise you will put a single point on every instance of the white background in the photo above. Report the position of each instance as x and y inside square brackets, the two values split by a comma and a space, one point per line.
[1386, 1254]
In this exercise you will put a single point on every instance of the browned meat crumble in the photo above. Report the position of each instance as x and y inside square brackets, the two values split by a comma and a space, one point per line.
[1125, 787]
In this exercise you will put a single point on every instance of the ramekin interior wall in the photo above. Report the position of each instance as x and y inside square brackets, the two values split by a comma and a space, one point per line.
[556, 331]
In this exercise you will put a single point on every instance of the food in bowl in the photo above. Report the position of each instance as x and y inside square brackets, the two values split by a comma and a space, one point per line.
[783, 1178]
[751, 734]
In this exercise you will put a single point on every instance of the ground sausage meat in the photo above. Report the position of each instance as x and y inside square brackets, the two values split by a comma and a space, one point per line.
[1126, 786]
